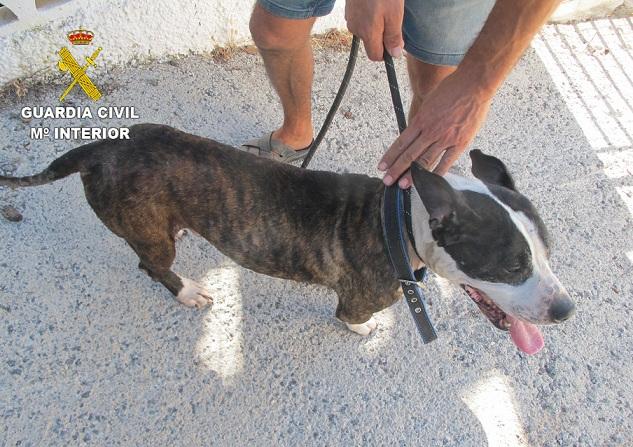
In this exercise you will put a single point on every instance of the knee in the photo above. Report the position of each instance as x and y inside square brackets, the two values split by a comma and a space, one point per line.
[425, 77]
[271, 33]
[422, 86]
[263, 37]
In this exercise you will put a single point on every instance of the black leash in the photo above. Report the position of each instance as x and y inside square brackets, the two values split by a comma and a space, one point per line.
[351, 63]
[395, 91]
[396, 203]
[396, 206]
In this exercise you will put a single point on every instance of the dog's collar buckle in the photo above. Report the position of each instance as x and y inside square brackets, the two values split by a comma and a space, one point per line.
[417, 305]
[392, 214]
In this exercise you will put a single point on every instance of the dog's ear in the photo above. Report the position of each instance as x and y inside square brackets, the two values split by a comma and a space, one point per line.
[441, 202]
[490, 169]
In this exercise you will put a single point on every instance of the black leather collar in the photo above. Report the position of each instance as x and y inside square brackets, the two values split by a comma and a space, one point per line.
[419, 274]
[396, 205]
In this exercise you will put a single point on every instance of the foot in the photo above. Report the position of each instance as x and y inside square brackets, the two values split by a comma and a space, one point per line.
[292, 140]
[193, 294]
[363, 329]
[268, 147]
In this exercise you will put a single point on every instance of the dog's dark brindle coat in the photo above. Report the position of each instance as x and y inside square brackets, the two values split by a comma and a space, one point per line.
[272, 218]
[320, 227]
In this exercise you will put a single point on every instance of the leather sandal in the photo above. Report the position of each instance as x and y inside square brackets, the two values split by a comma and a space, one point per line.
[267, 147]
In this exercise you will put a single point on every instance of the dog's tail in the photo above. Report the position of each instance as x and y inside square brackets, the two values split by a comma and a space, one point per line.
[69, 163]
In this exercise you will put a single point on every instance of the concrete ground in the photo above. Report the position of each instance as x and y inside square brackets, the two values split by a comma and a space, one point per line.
[93, 352]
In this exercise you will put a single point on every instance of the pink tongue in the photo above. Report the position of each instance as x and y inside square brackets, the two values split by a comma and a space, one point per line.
[526, 336]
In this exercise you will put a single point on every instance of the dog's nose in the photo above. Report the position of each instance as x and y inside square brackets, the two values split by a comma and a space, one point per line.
[562, 310]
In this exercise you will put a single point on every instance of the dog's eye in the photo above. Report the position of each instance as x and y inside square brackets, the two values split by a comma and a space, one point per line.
[516, 268]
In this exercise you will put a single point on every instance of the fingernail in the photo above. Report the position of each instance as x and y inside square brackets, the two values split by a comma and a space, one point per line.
[387, 180]
[404, 183]
[382, 166]
[396, 52]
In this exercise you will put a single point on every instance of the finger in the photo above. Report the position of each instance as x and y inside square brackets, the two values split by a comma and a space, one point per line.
[430, 157]
[406, 181]
[374, 47]
[403, 162]
[400, 166]
[392, 37]
[449, 158]
[398, 147]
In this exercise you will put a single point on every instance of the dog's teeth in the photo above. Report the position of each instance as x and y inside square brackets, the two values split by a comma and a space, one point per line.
[474, 295]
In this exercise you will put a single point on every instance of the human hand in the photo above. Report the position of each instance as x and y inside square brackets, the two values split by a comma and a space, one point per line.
[378, 23]
[441, 130]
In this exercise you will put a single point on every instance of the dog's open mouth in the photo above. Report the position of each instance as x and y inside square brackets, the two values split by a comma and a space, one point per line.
[526, 336]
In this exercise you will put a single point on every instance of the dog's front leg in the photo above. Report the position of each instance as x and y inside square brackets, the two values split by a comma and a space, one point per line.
[363, 329]
[358, 301]
[353, 310]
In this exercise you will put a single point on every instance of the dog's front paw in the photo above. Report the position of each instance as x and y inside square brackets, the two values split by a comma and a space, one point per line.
[363, 329]
[193, 294]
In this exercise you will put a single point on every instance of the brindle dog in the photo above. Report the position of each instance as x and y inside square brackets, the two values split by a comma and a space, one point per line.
[272, 218]
[319, 227]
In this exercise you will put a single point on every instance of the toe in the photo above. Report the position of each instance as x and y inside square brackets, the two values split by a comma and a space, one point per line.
[194, 295]
[361, 329]
[203, 300]
[187, 302]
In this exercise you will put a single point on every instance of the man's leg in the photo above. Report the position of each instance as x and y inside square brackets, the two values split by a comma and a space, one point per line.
[287, 52]
[437, 34]
[424, 78]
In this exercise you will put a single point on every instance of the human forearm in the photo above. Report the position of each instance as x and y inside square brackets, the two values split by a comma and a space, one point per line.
[506, 34]
[453, 112]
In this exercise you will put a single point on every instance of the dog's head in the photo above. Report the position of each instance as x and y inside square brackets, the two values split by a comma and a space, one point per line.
[487, 237]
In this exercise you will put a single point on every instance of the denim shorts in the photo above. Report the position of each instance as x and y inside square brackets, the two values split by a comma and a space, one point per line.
[437, 32]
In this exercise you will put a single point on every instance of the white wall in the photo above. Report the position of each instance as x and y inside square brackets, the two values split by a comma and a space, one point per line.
[131, 31]
[128, 30]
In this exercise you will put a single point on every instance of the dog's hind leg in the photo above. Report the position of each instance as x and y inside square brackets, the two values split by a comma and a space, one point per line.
[156, 259]
[132, 213]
